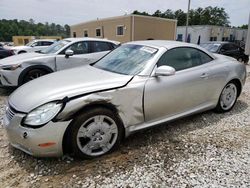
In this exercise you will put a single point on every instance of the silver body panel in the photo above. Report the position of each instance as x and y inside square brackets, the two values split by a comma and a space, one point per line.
[142, 101]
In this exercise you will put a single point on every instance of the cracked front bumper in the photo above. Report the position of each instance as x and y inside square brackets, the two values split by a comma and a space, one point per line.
[29, 140]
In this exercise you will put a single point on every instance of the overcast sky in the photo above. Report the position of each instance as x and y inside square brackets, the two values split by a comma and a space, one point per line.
[75, 11]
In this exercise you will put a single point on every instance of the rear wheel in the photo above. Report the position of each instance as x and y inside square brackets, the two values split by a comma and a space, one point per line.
[227, 98]
[95, 133]
[33, 74]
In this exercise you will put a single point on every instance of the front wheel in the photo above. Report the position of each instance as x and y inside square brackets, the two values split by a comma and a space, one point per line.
[33, 74]
[95, 133]
[227, 98]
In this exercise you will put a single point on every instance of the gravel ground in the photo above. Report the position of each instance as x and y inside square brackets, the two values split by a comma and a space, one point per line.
[204, 150]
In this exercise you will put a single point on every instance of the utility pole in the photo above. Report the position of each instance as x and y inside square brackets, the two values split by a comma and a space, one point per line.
[186, 34]
[247, 47]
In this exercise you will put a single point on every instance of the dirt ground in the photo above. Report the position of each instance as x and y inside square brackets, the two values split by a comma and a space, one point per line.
[204, 150]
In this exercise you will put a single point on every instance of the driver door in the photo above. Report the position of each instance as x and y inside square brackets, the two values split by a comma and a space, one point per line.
[188, 89]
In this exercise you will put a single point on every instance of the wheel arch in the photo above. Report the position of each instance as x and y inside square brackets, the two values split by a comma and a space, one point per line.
[100, 104]
[22, 51]
[25, 71]
[238, 85]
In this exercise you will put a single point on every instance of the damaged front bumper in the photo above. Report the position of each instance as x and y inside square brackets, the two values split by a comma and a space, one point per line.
[46, 141]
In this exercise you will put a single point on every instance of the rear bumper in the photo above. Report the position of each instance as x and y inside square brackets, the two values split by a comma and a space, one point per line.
[33, 141]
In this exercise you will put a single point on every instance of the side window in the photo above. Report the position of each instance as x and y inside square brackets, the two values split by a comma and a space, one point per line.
[183, 58]
[46, 43]
[79, 48]
[204, 57]
[225, 47]
[101, 46]
[233, 47]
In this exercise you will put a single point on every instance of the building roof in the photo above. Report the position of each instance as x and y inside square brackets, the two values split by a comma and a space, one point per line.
[228, 27]
[124, 16]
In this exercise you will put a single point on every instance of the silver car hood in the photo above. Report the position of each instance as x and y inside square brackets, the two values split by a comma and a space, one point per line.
[68, 83]
[16, 59]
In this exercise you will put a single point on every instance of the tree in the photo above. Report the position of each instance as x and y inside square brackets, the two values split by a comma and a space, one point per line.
[200, 16]
[158, 14]
[245, 26]
[9, 28]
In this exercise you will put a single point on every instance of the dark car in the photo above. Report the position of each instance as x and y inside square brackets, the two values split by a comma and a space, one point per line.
[5, 52]
[227, 48]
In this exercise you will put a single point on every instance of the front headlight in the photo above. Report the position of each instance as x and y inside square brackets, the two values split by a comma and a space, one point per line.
[43, 114]
[10, 67]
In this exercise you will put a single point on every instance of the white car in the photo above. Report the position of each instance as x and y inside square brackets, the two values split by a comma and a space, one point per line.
[64, 54]
[33, 46]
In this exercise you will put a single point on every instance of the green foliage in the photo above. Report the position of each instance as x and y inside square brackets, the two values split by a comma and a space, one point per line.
[9, 28]
[245, 26]
[200, 16]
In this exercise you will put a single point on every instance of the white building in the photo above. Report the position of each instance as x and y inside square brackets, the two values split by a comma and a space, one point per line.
[211, 33]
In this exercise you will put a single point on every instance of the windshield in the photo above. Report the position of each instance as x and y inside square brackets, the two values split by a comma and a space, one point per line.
[127, 59]
[212, 47]
[29, 44]
[55, 47]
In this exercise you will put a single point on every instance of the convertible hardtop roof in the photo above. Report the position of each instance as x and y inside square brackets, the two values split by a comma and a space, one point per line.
[168, 44]
[90, 39]
[164, 43]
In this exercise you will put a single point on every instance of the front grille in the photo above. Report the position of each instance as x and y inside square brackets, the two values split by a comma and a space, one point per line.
[10, 112]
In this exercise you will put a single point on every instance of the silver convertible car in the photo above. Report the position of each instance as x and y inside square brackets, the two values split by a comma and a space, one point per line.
[87, 111]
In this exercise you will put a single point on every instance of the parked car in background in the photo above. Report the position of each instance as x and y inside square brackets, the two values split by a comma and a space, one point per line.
[64, 54]
[87, 111]
[5, 52]
[228, 49]
[33, 46]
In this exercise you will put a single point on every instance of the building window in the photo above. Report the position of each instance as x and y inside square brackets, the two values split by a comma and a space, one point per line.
[120, 30]
[224, 38]
[74, 34]
[179, 37]
[213, 38]
[98, 32]
[85, 33]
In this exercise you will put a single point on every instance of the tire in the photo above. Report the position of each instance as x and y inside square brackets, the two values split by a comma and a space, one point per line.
[33, 74]
[228, 98]
[96, 132]
[240, 59]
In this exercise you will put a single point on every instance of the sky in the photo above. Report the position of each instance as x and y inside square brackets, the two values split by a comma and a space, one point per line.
[77, 11]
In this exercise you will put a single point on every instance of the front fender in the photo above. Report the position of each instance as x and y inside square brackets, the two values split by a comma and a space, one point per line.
[34, 66]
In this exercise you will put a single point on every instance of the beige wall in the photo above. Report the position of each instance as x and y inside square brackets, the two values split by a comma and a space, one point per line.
[144, 28]
[108, 27]
[154, 28]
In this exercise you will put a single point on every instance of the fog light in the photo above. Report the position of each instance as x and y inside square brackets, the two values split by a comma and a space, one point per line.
[25, 135]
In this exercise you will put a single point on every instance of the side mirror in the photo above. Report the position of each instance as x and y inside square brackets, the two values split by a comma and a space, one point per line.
[69, 53]
[164, 71]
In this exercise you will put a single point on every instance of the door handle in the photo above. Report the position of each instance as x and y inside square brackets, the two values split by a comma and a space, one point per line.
[204, 75]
